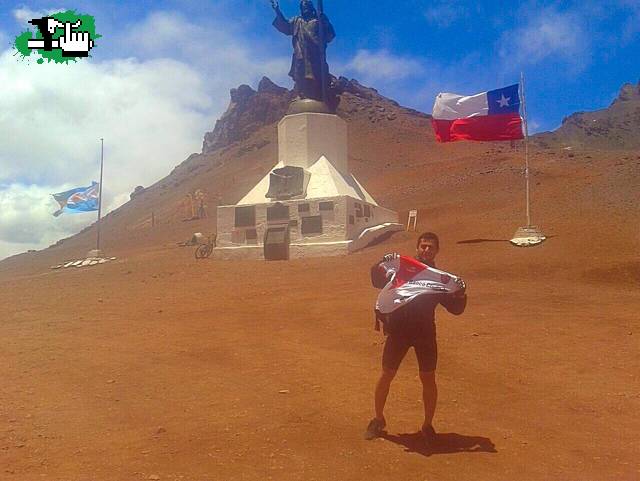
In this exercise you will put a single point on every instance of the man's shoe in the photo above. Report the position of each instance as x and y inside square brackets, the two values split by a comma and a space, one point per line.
[374, 429]
[429, 434]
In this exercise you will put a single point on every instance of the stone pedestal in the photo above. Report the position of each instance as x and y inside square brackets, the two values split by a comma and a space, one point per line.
[334, 215]
[304, 138]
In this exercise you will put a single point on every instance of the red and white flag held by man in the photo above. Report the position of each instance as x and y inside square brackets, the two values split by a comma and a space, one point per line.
[410, 278]
[492, 115]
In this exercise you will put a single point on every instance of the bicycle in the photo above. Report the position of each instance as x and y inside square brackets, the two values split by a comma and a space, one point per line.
[203, 251]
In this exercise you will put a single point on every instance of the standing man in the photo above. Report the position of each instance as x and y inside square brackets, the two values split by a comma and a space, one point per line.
[418, 331]
[309, 45]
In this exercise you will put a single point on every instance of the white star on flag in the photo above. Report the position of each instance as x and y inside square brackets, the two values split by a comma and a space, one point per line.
[504, 101]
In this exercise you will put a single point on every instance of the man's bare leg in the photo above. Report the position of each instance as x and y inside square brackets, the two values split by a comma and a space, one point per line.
[382, 391]
[429, 396]
[377, 424]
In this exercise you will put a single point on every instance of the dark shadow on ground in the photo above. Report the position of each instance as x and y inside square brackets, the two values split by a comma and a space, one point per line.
[381, 239]
[444, 443]
[480, 241]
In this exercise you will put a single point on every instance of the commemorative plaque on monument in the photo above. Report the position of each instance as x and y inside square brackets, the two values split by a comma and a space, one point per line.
[309, 204]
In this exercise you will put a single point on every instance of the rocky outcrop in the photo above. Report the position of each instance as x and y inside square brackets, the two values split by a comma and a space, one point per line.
[628, 93]
[249, 110]
[615, 127]
[136, 192]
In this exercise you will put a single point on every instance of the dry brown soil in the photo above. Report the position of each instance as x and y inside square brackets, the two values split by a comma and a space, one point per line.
[158, 366]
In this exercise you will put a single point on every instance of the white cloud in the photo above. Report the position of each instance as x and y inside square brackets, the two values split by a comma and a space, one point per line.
[444, 14]
[216, 48]
[152, 114]
[51, 116]
[382, 66]
[24, 14]
[26, 221]
[548, 36]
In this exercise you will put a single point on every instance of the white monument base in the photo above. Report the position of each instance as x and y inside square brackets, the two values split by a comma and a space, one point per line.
[316, 249]
[328, 214]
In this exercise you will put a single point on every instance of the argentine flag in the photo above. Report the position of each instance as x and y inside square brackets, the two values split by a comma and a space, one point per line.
[80, 199]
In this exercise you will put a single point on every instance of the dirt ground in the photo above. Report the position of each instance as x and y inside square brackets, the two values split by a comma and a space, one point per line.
[158, 366]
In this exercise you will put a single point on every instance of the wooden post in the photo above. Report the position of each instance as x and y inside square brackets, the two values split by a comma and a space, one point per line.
[413, 214]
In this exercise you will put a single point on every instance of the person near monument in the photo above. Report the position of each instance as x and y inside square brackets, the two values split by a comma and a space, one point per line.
[419, 333]
[309, 68]
[200, 196]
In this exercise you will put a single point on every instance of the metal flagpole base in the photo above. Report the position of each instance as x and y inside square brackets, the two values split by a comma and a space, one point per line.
[95, 253]
[528, 236]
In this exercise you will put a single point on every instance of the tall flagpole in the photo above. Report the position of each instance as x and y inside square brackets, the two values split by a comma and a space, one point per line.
[100, 190]
[526, 151]
[529, 235]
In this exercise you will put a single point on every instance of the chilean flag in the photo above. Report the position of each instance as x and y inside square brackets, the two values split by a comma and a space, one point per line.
[492, 115]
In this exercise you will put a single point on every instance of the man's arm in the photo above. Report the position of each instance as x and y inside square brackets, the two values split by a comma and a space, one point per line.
[456, 302]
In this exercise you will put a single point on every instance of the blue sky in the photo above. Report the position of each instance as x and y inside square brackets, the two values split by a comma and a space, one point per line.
[160, 77]
[575, 54]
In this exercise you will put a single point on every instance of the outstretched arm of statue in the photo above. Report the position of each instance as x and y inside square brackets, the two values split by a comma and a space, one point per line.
[276, 7]
[281, 23]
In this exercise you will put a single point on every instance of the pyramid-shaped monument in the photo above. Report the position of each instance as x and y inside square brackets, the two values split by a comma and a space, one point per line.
[309, 204]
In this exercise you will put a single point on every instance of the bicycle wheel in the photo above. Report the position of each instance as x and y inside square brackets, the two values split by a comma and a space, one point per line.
[203, 251]
[206, 252]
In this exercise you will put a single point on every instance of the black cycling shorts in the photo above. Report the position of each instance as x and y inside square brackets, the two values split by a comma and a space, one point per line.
[396, 347]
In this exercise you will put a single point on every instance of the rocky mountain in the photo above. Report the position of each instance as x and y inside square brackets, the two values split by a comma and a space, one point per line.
[393, 153]
[239, 151]
[247, 112]
[615, 128]
[250, 110]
